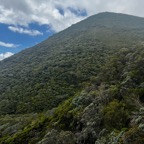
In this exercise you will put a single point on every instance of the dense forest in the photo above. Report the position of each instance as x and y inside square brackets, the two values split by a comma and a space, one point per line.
[83, 85]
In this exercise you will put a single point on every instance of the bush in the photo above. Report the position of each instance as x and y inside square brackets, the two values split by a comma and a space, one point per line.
[115, 115]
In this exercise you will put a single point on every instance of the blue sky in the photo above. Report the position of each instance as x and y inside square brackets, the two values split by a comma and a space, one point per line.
[21, 41]
[24, 23]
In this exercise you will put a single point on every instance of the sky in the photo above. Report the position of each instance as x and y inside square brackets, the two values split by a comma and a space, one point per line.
[25, 23]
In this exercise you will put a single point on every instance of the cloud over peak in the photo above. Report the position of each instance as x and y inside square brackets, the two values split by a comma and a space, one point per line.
[59, 14]
[56, 14]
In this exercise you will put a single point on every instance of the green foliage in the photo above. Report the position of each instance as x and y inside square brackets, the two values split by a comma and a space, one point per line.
[49, 74]
[115, 115]
[12, 124]
[28, 134]
[65, 116]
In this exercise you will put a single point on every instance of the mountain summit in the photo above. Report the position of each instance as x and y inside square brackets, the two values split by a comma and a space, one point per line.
[83, 85]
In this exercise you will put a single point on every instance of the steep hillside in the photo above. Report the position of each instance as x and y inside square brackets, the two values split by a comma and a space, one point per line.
[84, 85]
[41, 77]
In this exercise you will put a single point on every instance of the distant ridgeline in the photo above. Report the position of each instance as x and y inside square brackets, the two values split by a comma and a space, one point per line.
[83, 85]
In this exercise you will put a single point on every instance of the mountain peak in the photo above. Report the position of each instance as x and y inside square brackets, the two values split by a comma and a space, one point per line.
[111, 20]
[113, 14]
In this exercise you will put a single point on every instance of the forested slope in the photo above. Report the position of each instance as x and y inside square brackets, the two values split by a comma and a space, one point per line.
[40, 77]
[84, 85]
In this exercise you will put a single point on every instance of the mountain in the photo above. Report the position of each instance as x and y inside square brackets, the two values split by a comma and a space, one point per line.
[83, 85]
[41, 77]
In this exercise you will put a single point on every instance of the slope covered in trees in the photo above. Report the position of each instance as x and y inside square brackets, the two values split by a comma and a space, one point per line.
[40, 77]
[84, 85]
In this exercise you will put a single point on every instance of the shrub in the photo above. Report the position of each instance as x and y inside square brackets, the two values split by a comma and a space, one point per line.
[115, 115]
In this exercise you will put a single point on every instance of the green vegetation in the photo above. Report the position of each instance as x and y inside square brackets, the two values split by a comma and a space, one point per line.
[115, 115]
[84, 85]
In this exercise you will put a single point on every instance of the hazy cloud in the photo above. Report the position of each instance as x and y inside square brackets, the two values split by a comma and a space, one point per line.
[59, 14]
[9, 45]
[25, 31]
[5, 55]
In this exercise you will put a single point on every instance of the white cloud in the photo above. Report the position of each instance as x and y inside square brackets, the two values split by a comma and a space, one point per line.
[24, 12]
[5, 55]
[25, 31]
[44, 12]
[9, 45]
